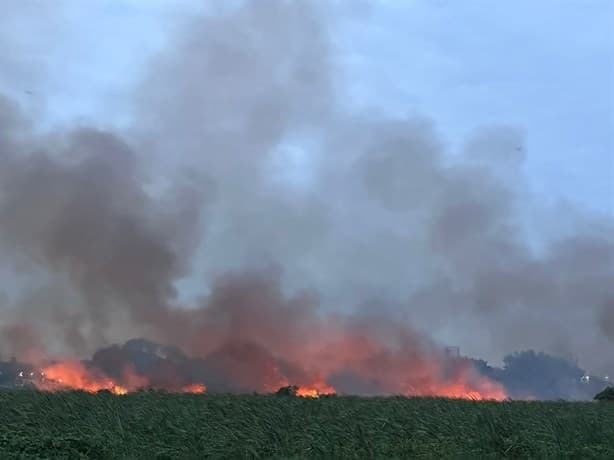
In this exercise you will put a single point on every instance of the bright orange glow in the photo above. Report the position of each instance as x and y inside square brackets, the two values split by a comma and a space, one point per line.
[315, 389]
[194, 388]
[424, 378]
[462, 384]
[482, 390]
[73, 375]
[119, 390]
[366, 362]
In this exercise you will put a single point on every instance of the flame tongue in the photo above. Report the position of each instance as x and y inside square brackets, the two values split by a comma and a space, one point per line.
[354, 367]
[76, 376]
[194, 388]
[310, 392]
[483, 390]
[119, 390]
[315, 389]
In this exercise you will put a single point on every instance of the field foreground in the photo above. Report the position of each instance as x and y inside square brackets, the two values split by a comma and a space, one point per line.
[167, 426]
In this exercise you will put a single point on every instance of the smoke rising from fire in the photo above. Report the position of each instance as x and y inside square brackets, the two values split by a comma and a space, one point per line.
[387, 243]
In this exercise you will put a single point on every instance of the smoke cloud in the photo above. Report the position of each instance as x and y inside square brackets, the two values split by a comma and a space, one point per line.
[335, 244]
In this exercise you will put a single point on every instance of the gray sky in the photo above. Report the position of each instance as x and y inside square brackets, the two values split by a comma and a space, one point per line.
[545, 67]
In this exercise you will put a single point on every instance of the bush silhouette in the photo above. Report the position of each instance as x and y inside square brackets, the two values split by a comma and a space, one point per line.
[289, 390]
[605, 395]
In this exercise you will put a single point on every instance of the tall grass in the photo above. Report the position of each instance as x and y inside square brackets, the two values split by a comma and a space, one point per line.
[165, 426]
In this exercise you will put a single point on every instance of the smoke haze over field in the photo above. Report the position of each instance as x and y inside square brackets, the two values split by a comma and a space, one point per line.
[247, 204]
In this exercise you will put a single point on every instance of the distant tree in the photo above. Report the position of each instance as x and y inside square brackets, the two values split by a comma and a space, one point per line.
[528, 373]
[289, 390]
[483, 367]
[605, 395]
[9, 371]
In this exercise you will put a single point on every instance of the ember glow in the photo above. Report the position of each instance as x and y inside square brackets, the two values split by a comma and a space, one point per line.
[371, 371]
[74, 375]
[196, 388]
[481, 389]
[315, 390]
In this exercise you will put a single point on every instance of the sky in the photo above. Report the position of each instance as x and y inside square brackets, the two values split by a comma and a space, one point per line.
[487, 75]
[544, 67]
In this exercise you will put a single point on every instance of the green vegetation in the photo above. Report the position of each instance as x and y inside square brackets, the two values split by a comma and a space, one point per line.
[152, 425]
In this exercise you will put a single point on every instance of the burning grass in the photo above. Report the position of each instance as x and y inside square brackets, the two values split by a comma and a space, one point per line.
[163, 425]
[246, 368]
[73, 375]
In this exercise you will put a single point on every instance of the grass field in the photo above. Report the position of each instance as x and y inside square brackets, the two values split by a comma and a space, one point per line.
[166, 426]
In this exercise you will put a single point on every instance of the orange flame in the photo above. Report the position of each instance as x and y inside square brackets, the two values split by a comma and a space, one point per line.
[482, 390]
[74, 375]
[194, 388]
[366, 363]
[119, 390]
[463, 383]
[315, 389]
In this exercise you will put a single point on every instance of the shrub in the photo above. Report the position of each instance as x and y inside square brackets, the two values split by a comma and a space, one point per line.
[605, 395]
[289, 390]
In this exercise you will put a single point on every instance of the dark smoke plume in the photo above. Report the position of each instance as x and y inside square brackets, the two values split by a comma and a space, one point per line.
[337, 270]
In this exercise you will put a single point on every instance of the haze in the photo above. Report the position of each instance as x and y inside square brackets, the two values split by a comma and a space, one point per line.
[442, 166]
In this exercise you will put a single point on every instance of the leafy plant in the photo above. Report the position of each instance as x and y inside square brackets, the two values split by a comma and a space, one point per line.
[150, 425]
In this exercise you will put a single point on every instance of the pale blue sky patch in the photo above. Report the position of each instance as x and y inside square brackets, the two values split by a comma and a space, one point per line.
[546, 67]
